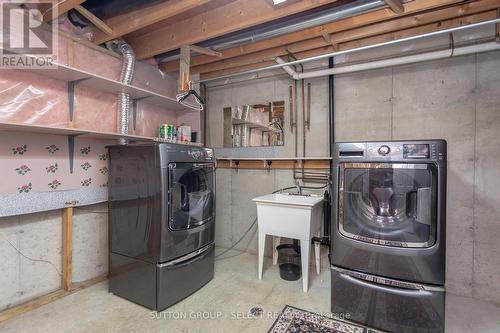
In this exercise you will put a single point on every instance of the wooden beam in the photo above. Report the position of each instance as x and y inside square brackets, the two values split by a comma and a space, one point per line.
[456, 22]
[184, 68]
[52, 12]
[94, 20]
[341, 25]
[129, 22]
[258, 164]
[327, 37]
[31, 305]
[67, 249]
[236, 69]
[368, 41]
[51, 297]
[205, 51]
[234, 16]
[396, 6]
[353, 34]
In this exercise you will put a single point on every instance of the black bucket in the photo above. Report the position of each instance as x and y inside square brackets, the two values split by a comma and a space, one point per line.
[289, 261]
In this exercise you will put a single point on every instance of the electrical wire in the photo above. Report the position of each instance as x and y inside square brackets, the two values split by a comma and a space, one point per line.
[238, 241]
[31, 259]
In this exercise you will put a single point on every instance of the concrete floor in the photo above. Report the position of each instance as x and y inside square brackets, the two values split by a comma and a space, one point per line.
[229, 296]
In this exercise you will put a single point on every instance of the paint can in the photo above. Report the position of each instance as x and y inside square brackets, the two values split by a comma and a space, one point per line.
[163, 131]
[170, 132]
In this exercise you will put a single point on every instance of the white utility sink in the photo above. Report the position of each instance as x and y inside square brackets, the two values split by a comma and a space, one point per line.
[290, 199]
[293, 216]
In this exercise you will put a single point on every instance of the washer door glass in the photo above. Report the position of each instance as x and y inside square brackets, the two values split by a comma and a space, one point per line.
[191, 192]
[388, 204]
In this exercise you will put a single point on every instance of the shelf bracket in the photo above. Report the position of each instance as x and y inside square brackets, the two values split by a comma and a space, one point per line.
[71, 152]
[236, 163]
[267, 165]
[71, 98]
[134, 110]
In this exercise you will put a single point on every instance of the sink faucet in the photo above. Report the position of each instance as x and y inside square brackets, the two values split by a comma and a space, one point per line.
[299, 189]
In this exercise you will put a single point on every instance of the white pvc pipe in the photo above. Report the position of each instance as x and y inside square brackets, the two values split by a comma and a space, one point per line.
[361, 48]
[287, 69]
[465, 50]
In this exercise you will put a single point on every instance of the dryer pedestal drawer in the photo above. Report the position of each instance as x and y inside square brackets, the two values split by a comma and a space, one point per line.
[396, 306]
[179, 279]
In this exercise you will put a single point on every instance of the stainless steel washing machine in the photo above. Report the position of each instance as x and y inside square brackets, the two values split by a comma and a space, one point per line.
[388, 234]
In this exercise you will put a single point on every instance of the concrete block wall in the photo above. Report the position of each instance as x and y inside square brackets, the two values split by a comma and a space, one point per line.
[90, 242]
[30, 252]
[455, 99]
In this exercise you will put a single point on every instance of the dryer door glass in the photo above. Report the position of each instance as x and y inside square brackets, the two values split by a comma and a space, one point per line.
[191, 194]
[388, 204]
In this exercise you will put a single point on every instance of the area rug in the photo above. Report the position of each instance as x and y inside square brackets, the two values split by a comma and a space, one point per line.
[294, 320]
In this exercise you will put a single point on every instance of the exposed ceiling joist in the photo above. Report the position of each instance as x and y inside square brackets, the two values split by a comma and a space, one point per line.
[327, 37]
[97, 22]
[396, 6]
[443, 24]
[318, 31]
[52, 12]
[205, 51]
[129, 22]
[234, 16]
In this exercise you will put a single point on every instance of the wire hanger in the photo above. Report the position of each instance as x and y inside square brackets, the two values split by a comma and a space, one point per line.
[200, 102]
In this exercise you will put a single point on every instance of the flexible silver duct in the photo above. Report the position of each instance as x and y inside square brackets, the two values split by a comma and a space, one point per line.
[126, 77]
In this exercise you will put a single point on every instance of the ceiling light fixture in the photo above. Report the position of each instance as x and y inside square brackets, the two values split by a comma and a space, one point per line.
[277, 2]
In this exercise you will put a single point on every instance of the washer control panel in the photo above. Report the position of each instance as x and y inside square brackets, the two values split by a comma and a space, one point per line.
[384, 150]
[405, 151]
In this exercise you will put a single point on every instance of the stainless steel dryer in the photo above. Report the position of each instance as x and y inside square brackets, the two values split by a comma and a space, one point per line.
[388, 234]
[162, 222]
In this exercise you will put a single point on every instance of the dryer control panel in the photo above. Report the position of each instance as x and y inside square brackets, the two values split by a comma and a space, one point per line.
[392, 151]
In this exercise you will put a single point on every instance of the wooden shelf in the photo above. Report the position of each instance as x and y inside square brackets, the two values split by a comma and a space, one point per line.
[71, 74]
[41, 129]
[268, 163]
[274, 158]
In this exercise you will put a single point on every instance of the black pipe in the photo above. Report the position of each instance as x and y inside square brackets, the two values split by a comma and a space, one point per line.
[331, 106]
[327, 204]
[325, 240]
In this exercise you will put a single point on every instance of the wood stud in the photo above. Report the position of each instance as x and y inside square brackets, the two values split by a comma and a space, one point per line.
[67, 249]
[396, 6]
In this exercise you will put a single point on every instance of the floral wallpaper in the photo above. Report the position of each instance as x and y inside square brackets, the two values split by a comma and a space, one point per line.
[40, 163]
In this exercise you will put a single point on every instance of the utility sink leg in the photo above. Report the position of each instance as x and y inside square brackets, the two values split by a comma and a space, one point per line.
[317, 254]
[276, 242]
[262, 246]
[305, 246]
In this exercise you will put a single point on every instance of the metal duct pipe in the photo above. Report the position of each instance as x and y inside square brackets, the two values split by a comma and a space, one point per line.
[285, 26]
[126, 77]
[362, 48]
[304, 22]
[465, 50]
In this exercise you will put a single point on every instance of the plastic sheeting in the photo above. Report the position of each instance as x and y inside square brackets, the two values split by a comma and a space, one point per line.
[30, 98]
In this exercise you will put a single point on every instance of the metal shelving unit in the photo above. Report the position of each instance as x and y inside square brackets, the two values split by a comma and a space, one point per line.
[236, 121]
